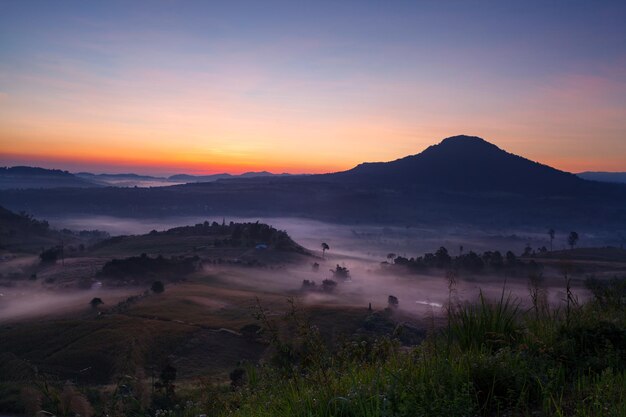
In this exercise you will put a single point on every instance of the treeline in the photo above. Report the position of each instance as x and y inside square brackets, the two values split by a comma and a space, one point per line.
[238, 234]
[145, 268]
[13, 223]
[470, 261]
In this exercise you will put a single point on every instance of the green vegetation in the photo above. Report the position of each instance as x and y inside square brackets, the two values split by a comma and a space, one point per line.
[146, 267]
[486, 262]
[231, 239]
[493, 359]
[21, 232]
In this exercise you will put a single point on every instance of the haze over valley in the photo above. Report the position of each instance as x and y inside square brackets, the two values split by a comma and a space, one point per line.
[312, 209]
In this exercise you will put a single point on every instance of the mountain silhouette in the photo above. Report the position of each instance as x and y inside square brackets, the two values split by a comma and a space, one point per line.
[461, 180]
[35, 177]
[464, 163]
[618, 177]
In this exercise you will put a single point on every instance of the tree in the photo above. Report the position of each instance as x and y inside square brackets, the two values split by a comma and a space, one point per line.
[391, 256]
[51, 255]
[442, 257]
[157, 287]
[95, 302]
[392, 301]
[238, 378]
[511, 259]
[328, 285]
[551, 234]
[341, 272]
[325, 247]
[166, 381]
[572, 239]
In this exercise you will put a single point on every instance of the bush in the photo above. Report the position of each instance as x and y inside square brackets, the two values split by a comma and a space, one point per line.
[51, 255]
[157, 287]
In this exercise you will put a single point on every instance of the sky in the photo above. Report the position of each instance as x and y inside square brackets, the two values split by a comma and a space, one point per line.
[164, 87]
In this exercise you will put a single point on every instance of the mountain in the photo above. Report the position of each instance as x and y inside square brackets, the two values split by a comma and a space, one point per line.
[463, 180]
[262, 174]
[618, 177]
[223, 176]
[464, 163]
[135, 180]
[32, 177]
[199, 178]
[127, 180]
[129, 176]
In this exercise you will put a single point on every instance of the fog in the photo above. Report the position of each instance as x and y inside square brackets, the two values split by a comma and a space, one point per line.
[27, 301]
[363, 241]
[419, 294]
[360, 248]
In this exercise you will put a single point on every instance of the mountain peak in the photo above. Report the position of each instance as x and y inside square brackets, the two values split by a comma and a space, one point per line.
[465, 141]
[466, 163]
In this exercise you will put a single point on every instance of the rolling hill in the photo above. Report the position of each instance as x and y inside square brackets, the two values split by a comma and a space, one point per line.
[33, 177]
[619, 177]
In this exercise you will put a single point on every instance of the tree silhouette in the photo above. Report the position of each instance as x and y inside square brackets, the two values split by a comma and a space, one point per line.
[95, 302]
[572, 239]
[325, 247]
[50, 256]
[551, 234]
[341, 272]
[391, 256]
[329, 285]
[157, 287]
[392, 301]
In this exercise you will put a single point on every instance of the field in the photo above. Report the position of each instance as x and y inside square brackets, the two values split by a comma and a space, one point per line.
[244, 311]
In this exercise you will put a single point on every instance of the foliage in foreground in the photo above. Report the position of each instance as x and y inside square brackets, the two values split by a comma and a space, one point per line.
[493, 359]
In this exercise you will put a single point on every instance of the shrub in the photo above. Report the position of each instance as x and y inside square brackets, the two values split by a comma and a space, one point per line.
[157, 287]
[51, 255]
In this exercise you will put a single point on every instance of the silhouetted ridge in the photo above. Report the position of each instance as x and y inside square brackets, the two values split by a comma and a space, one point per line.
[464, 163]
[35, 177]
[34, 171]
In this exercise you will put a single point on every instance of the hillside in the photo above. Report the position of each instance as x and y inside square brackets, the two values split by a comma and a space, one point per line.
[234, 242]
[21, 232]
[31, 177]
[136, 180]
[618, 177]
[222, 176]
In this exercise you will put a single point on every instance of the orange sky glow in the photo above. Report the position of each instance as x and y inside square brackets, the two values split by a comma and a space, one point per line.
[209, 89]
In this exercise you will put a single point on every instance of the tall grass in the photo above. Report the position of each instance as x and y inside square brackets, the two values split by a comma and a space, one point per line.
[493, 359]
[487, 325]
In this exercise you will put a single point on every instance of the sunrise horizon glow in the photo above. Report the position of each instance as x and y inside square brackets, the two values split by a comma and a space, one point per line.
[168, 87]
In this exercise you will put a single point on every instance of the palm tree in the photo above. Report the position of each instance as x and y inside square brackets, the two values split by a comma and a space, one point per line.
[325, 247]
[551, 234]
